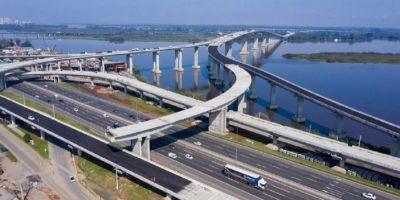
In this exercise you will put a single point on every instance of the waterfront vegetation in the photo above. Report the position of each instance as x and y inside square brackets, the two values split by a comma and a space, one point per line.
[260, 145]
[348, 57]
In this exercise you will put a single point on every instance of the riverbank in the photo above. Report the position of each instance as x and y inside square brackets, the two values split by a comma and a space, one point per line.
[347, 57]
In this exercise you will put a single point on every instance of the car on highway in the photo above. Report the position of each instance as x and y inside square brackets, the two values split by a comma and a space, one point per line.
[31, 117]
[115, 125]
[171, 146]
[37, 96]
[76, 109]
[46, 86]
[172, 155]
[188, 156]
[368, 195]
[105, 115]
[198, 143]
[71, 179]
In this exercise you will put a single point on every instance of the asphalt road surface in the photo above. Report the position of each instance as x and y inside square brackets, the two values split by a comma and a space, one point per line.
[325, 183]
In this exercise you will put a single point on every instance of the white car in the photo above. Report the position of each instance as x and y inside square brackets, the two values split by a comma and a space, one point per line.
[368, 195]
[198, 143]
[172, 155]
[105, 115]
[31, 117]
[188, 156]
[76, 109]
[37, 96]
[71, 179]
[46, 86]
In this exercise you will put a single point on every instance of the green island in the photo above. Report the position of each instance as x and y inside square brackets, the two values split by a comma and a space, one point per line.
[348, 57]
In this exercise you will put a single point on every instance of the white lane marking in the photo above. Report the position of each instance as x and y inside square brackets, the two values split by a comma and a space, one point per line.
[260, 166]
[212, 161]
[213, 166]
[275, 192]
[252, 155]
[276, 167]
[246, 156]
[312, 180]
[268, 195]
[295, 178]
[209, 170]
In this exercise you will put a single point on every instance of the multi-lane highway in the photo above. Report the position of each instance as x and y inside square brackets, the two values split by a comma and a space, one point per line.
[161, 145]
[331, 185]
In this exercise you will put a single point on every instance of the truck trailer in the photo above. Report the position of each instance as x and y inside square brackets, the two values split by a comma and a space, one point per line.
[245, 176]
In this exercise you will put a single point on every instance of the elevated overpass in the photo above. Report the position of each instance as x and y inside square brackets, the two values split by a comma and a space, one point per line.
[153, 174]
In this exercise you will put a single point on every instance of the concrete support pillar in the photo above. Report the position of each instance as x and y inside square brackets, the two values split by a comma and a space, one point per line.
[178, 60]
[160, 101]
[146, 147]
[218, 78]
[275, 139]
[264, 42]
[217, 121]
[59, 65]
[252, 90]
[129, 63]
[79, 152]
[226, 79]
[342, 162]
[110, 84]
[240, 104]
[101, 64]
[141, 95]
[80, 65]
[395, 148]
[212, 70]
[156, 62]
[255, 44]
[42, 135]
[2, 81]
[338, 124]
[244, 50]
[196, 58]
[125, 89]
[12, 118]
[299, 110]
[272, 97]
[228, 49]
[36, 68]
[91, 81]
[136, 146]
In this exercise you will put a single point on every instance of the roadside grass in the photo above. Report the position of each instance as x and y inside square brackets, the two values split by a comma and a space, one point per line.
[44, 109]
[69, 86]
[260, 146]
[101, 177]
[9, 155]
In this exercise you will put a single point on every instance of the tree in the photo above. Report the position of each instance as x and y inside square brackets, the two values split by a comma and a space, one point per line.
[18, 42]
[26, 43]
[27, 137]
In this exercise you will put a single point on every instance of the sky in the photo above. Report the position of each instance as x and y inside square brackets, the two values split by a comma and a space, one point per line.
[321, 13]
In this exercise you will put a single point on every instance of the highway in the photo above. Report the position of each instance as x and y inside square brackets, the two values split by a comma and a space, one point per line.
[314, 179]
[362, 117]
[161, 144]
[167, 179]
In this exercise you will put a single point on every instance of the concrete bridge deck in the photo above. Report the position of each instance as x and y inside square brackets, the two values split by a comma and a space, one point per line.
[149, 172]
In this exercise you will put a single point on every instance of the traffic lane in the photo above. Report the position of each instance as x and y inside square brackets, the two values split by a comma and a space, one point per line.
[68, 106]
[332, 185]
[213, 168]
[165, 178]
[93, 101]
[314, 181]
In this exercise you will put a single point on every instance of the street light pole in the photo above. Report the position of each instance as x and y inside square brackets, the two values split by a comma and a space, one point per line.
[23, 98]
[359, 140]
[236, 150]
[54, 112]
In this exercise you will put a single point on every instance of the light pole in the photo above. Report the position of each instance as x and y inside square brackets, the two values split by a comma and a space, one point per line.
[54, 112]
[359, 140]
[137, 117]
[237, 140]
[23, 98]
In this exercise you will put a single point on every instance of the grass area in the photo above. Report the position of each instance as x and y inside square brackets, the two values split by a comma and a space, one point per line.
[102, 181]
[69, 87]
[139, 104]
[9, 155]
[44, 109]
[260, 146]
[348, 57]
[39, 145]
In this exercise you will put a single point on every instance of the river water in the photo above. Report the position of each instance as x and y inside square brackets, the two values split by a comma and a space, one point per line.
[372, 88]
